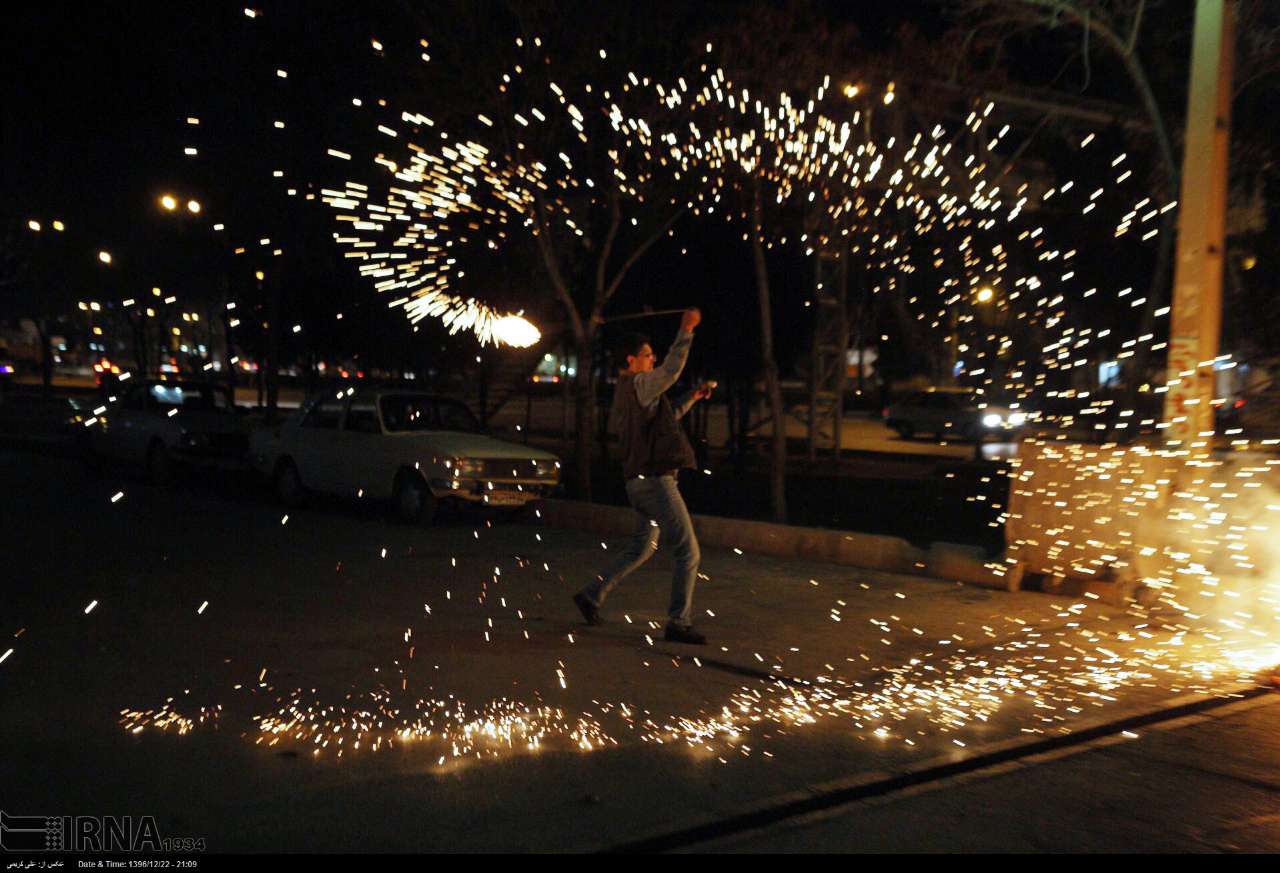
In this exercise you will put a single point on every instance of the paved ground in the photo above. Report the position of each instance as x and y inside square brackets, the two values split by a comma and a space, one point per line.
[1208, 783]
[441, 695]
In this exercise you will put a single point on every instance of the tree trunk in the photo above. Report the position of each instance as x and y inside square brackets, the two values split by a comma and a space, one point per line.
[271, 378]
[584, 417]
[229, 367]
[564, 395]
[778, 465]
[138, 327]
[46, 356]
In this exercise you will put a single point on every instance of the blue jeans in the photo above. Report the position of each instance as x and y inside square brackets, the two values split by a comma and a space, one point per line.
[659, 509]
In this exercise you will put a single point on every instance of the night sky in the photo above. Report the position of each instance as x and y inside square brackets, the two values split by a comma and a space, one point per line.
[95, 131]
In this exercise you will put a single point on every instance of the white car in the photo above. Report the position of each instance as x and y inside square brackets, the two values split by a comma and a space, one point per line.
[159, 422]
[411, 448]
[940, 411]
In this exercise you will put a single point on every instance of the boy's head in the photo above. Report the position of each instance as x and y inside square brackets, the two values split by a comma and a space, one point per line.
[634, 354]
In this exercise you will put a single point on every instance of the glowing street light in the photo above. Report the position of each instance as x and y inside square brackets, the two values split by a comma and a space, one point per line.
[193, 206]
[104, 257]
[985, 295]
[58, 225]
[169, 202]
[34, 225]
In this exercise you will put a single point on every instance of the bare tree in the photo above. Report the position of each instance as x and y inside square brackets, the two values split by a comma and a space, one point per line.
[577, 166]
[37, 265]
[769, 51]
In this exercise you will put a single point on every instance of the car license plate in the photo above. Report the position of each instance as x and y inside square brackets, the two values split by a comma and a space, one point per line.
[507, 498]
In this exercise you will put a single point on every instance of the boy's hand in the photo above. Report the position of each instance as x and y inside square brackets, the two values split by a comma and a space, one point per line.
[704, 391]
[691, 319]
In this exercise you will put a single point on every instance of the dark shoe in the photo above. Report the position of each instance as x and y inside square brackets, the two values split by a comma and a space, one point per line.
[677, 634]
[589, 610]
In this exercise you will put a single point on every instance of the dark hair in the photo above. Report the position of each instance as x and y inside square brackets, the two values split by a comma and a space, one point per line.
[629, 344]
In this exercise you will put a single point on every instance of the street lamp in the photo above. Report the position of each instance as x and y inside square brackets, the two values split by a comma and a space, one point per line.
[985, 295]
[193, 206]
[169, 202]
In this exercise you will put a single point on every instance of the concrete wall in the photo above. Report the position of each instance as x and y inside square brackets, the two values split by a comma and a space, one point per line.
[890, 554]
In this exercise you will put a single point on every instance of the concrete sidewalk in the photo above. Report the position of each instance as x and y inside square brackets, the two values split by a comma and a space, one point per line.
[333, 682]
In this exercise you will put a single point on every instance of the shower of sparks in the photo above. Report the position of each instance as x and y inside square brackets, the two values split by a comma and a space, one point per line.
[931, 210]
[926, 214]
[1207, 549]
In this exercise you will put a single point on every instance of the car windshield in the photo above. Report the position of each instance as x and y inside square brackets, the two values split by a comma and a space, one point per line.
[412, 412]
[187, 396]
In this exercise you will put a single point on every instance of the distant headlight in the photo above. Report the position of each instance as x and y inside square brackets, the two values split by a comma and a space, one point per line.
[1018, 419]
[992, 420]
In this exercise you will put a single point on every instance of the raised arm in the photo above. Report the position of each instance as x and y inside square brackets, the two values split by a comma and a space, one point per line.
[650, 386]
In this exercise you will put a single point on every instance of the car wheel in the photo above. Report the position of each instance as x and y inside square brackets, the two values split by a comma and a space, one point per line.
[159, 465]
[414, 502]
[906, 431]
[288, 484]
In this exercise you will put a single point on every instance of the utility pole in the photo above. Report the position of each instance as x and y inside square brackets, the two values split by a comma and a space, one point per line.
[1196, 319]
[828, 360]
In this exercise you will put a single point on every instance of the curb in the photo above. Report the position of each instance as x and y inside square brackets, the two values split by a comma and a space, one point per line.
[947, 561]
[815, 801]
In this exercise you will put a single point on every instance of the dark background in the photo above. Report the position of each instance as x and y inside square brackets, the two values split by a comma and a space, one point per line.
[94, 132]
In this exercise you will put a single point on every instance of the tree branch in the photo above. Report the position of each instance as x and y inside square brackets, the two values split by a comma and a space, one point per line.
[602, 264]
[639, 252]
[1137, 25]
[543, 240]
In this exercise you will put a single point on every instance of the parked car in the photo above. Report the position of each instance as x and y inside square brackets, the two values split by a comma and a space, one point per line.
[940, 411]
[414, 449]
[160, 423]
[54, 420]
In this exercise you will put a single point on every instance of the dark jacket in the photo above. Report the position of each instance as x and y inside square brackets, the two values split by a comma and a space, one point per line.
[653, 443]
[644, 419]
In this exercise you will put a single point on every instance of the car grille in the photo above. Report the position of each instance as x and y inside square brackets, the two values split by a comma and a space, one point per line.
[518, 468]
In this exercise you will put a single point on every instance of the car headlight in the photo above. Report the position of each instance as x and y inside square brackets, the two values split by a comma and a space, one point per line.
[992, 420]
[468, 466]
[1018, 419]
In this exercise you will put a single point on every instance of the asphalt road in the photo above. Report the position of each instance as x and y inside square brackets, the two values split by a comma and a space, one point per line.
[332, 681]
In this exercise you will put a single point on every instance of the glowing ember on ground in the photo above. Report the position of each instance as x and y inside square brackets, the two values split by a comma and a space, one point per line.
[1195, 529]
